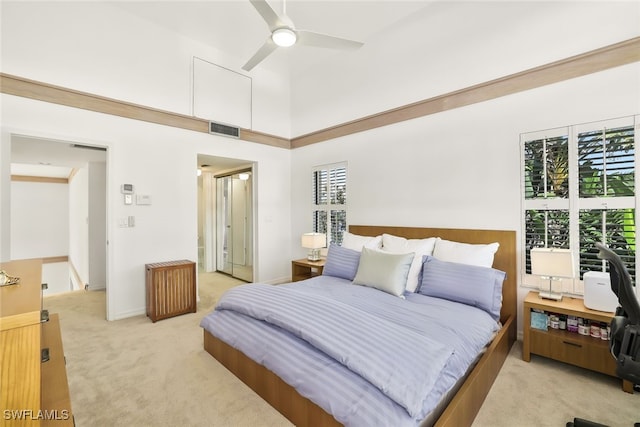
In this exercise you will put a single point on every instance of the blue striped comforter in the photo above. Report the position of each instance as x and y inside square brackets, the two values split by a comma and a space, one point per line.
[364, 356]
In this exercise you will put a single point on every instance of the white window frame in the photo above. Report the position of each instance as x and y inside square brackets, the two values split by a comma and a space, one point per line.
[329, 206]
[574, 203]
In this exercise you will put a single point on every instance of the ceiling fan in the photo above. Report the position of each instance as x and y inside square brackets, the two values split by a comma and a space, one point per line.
[284, 34]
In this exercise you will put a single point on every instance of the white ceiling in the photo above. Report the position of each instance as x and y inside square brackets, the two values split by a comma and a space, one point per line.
[236, 28]
[57, 159]
[39, 157]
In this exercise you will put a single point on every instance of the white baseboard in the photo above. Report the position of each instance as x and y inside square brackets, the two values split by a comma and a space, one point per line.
[278, 281]
[130, 313]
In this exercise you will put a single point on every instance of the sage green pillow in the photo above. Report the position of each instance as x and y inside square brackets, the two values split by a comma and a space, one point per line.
[384, 271]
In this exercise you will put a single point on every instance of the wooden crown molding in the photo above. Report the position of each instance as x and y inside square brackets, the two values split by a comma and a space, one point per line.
[26, 88]
[602, 59]
[611, 56]
[41, 179]
[55, 259]
[72, 174]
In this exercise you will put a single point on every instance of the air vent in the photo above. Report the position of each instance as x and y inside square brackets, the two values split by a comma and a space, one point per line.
[89, 147]
[222, 129]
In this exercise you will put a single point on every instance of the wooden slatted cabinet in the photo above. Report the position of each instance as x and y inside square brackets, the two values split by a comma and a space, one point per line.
[170, 289]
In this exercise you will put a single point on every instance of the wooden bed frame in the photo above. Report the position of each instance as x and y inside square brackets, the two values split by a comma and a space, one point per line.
[464, 405]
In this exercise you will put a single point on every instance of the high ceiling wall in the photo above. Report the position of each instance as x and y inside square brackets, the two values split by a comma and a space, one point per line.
[447, 46]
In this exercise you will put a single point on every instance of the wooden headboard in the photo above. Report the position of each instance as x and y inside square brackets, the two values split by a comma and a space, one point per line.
[505, 258]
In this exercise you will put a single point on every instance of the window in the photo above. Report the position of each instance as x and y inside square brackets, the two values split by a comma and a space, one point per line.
[578, 189]
[330, 201]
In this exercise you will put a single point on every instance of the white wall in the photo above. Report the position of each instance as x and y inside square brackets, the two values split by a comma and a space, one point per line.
[476, 42]
[5, 198]
[39, 220]
[79, 226]
[57, 276]
[460, 168]
[97, 225]
[102, 49]
[40, 228]
[161, 162]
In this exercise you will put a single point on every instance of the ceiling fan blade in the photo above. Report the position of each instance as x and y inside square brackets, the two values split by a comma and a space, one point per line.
[268, 14]
[264, 51]
[309, 38]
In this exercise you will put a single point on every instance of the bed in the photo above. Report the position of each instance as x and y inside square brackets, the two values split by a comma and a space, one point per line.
[457, 407]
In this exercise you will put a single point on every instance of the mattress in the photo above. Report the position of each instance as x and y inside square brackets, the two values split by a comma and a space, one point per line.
[395, 339]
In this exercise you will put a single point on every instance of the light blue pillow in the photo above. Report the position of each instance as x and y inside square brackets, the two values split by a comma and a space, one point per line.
[341, 262]
[384, 271]
[468, 284]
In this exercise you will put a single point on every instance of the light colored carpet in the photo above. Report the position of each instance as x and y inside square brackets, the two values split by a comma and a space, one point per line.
[547, 393]
[137, 373]
[133, 372]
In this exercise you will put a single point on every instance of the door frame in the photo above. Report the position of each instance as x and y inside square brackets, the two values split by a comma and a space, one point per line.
[211, 165]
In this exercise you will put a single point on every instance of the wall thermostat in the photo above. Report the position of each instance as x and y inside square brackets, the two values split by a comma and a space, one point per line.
[127, 190]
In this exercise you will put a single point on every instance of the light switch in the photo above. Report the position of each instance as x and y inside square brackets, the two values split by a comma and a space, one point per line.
[143, 199]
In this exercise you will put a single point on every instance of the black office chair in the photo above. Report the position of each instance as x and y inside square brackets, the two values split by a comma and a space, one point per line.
[625, 326]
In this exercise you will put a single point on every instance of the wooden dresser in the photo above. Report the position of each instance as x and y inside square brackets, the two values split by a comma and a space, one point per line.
[33, 392]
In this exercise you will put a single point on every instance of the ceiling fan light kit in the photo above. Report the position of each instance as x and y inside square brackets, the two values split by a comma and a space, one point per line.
[284, 37]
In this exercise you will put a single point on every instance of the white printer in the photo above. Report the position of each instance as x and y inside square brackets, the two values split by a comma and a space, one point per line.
[597, 292]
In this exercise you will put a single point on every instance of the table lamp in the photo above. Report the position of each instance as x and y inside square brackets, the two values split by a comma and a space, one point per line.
[313, 242]
[552, 264]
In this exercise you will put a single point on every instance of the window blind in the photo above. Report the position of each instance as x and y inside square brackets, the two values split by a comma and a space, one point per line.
[578, 189]
[330, 201]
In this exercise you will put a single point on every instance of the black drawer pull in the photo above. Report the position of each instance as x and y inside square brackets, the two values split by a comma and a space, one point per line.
[572, 343]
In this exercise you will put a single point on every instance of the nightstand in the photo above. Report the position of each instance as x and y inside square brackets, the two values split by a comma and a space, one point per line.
[585, 351]
[302, 269]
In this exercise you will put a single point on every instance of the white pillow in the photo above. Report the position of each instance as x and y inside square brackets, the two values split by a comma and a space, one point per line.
[465, 253]
[420, 247]
[357, 242]
[383, 271]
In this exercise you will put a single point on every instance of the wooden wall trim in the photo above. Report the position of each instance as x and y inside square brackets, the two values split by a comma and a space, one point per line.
[26, 88]
[82, 284]
[611, 56]
[40, 179]
[72, 174]
[55, 259]
[594, 61]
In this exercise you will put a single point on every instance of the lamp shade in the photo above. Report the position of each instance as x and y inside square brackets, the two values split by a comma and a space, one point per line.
[552, 262]
[314, 240]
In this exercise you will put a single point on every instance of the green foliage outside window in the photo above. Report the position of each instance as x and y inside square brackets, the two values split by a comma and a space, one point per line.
[606, 169]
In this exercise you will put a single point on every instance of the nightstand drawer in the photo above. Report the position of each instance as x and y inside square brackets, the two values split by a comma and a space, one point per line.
[579, 350]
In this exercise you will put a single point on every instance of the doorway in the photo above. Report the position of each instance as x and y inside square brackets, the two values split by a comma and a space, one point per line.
[59, 210]
[226, 216]
[234, 195]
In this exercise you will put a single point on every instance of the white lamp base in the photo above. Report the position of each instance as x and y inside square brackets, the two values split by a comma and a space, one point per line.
[550, 295]
[314, 255]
